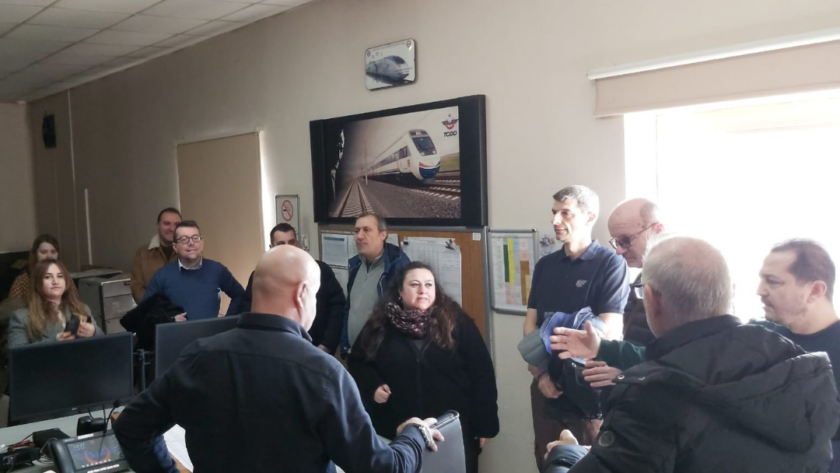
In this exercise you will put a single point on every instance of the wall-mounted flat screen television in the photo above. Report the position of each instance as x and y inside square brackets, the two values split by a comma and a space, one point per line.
[418, 165]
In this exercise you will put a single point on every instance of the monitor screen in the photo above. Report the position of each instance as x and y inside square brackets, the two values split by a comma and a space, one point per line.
[95, 450]
[171, 339]
[58, 377]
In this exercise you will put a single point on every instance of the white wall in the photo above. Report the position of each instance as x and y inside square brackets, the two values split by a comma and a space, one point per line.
[17, 204]
[529, 57]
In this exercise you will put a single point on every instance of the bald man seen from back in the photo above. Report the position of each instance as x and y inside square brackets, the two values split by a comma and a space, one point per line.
[262, 398]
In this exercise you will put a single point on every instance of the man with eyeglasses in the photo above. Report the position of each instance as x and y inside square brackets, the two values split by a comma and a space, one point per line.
[192, 282]
[582, 274]
[631, 225]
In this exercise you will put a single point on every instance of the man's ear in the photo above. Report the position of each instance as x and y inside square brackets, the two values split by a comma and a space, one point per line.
[653, 306]
[818, 290]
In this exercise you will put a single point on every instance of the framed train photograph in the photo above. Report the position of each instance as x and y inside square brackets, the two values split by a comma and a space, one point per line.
[391, 65]
[417, 165]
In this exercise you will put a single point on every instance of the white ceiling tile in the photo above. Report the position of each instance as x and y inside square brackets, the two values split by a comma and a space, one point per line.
[17, 13]
[123, 61]
[11, 62]
[288, 3]
[256, 12]
[31, 3]
[180, 41]
[195, 9]
[127, 38]
[68, 59]
[20, 47]
[56, 70]
[157, 24]
[77, 18]
[117, 6]
[24, 82]
[215, 27]
[50, 33]
[90, 49]
[149, 52]
[5, 27]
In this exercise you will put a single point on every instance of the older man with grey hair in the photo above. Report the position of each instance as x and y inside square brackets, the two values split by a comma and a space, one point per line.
[713, 394]
[582, 274]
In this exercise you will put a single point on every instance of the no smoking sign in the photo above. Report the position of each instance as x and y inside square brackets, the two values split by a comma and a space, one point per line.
[287, 210]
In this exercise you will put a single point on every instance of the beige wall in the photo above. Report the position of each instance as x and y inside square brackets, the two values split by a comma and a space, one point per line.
[56, 196]
[17, 204]
[529, 57]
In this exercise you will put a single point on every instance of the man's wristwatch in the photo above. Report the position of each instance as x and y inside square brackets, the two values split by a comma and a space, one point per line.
[426, 432]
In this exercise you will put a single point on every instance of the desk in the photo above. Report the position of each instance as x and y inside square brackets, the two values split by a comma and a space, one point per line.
[15, 434]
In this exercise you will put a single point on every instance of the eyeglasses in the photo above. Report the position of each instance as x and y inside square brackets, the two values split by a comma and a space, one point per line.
[638, 289]
[627, 241]
[185, 240]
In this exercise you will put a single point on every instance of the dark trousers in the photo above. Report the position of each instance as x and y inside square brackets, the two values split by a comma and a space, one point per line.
[547, 428]
[472, 449]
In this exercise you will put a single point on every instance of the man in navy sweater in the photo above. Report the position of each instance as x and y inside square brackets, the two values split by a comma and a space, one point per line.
[192, 282]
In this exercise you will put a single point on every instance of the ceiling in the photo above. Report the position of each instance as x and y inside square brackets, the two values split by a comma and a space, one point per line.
[47, 46]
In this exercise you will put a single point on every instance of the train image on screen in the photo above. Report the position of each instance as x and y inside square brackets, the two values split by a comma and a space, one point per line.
[389, 69]
[413, 154]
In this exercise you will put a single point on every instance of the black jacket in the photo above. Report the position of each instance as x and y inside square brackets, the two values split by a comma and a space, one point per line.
[429, 384]
[717, 396]
[260, 398]
[141, 320]
[329, 309]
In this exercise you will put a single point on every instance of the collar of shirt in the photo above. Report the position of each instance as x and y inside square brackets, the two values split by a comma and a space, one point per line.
[259, 321]
[587, 255]
[375, 260]
[184, 268]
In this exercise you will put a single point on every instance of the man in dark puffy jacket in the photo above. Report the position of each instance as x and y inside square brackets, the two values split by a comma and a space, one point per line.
[713, 394]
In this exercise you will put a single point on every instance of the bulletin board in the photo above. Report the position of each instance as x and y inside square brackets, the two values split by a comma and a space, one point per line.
[474, 277]
[512, 257]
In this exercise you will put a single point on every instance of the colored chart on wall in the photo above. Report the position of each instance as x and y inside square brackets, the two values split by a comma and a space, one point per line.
[513, 255]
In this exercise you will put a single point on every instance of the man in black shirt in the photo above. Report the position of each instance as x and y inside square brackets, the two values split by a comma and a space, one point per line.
[261, 398]
[797, 290]
[326, 329]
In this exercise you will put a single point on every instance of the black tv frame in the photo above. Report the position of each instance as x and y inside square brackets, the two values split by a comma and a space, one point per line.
[190, 331]
[64, 347]
[472, 137]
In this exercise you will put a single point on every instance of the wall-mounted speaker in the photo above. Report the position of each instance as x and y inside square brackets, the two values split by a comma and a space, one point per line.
[48, 131]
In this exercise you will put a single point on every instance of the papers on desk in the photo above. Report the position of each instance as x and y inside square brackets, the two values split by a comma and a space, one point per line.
[176, 443]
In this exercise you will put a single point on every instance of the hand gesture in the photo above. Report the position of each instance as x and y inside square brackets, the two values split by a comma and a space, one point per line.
[182, 317]
[86, 330]
[598, 374]
[566, 438]
[575, 343]
[382, 394]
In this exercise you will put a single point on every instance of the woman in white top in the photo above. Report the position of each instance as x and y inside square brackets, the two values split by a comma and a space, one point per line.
[52, 302]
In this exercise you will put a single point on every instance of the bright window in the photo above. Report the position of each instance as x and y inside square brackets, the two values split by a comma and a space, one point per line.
[743, 178]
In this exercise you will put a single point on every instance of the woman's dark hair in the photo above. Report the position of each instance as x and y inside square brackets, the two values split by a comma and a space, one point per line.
[444, 314]
[33, 253]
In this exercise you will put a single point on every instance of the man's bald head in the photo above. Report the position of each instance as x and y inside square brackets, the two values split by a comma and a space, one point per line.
[686, 279]
[631, 224]
[285, 283]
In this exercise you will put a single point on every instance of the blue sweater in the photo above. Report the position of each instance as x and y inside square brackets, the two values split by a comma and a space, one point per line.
[198, 291]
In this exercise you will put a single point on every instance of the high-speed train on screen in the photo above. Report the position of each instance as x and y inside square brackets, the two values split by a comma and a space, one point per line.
[413, 154]
[391, 69]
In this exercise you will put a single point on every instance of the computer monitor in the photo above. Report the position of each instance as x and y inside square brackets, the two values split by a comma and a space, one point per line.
[171, 339]
[71, 376]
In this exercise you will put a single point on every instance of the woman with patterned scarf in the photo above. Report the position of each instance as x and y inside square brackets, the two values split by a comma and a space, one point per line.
[420, 355]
